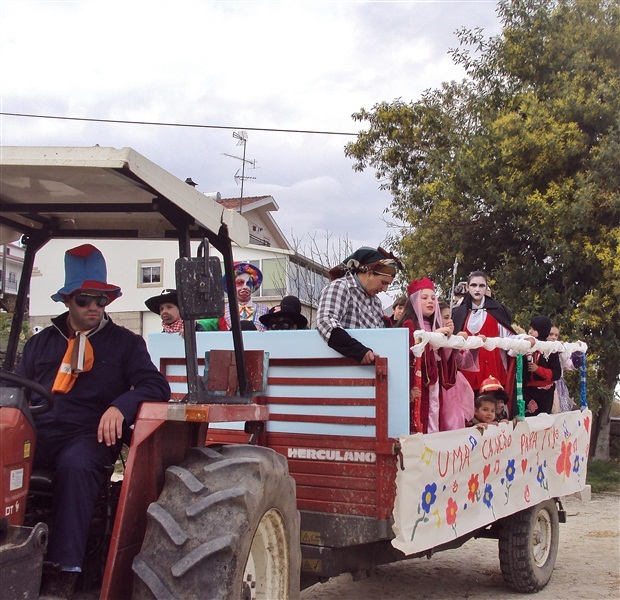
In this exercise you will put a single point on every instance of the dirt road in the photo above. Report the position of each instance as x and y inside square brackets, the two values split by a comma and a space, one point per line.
[588, 565]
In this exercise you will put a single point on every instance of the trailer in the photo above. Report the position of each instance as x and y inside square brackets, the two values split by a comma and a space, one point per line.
[368, 492]
[277, 463]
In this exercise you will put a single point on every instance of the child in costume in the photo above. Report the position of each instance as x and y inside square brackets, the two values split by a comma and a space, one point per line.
[484, 412]
[457, 407]
[492, 386]
[541, 374]
[569, 362]
[248, 279]
[438, 366]
[397, 309]
[481, 315]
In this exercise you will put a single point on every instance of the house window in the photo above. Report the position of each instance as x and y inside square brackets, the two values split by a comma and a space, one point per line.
[256, 263]
[12, 277]
[150, 273]
[305, 283]
[274, 277]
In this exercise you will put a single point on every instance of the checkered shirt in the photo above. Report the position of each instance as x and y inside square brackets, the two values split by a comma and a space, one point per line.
[344, 303]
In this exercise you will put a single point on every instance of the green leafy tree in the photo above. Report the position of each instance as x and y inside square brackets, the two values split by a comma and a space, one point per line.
[515, 170]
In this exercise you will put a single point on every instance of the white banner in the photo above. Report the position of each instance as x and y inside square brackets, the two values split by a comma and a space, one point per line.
[454, 482]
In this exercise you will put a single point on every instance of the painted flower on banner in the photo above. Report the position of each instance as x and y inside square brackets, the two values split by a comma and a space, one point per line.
[541, 477]
[472, 486]
[576, 464]
[487, 497]
[563, 465]
[510, 470]
[510, 475]
[429, 496]
[451, 509]
[488, 494]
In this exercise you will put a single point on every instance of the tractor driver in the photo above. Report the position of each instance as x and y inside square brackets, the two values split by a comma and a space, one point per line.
[351, 300]
[99, 373]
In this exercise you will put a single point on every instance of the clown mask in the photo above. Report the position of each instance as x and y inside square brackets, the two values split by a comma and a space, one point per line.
[244, 286]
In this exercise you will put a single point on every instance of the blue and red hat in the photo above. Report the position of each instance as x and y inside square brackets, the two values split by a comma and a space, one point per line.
[85, 269]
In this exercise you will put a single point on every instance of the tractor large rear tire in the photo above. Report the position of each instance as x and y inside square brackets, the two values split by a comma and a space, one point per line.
[225, 526]
[528, 547]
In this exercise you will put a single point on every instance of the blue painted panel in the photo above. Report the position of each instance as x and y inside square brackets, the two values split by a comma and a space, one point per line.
[391, 343]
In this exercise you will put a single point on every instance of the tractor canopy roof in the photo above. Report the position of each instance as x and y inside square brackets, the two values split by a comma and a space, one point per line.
[71, 192]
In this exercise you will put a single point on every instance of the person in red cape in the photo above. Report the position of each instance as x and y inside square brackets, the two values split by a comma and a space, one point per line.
[481, 315]
[438, 367]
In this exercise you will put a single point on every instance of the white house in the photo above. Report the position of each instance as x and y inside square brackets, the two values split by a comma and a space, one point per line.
[11, 264]
[144, 268]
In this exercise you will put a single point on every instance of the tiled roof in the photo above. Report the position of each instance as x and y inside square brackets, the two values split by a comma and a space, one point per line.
[234, 202]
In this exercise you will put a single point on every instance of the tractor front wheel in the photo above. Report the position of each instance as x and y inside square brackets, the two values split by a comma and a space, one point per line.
[225, 526]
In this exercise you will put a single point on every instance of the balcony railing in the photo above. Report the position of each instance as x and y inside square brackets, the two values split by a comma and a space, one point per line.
[259, 241]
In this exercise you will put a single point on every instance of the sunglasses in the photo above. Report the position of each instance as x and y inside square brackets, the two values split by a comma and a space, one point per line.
[83, 300]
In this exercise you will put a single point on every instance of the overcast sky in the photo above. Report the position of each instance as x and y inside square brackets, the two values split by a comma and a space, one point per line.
[280, 64]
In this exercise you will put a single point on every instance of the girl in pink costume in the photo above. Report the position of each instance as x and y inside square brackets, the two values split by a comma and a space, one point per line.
[438, 367]
[457, 407]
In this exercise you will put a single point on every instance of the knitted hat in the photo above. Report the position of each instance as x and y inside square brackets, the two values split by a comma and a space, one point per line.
[85, 269]
[490, 384]
[420, 284]
[167, 296]
[289, 307]
[542, 325]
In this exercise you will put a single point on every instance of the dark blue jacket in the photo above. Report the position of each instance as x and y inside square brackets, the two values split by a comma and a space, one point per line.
[123, 376]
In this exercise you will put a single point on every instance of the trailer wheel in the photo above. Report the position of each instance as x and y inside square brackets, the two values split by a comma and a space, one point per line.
[528, 546]
[225, 526]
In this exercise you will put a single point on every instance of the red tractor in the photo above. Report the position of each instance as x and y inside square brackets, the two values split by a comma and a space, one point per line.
[225, 523]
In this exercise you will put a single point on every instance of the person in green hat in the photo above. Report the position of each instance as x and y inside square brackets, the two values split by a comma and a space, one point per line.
[351, 300]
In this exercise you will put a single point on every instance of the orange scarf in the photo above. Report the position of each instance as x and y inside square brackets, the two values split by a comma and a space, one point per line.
[78, 358]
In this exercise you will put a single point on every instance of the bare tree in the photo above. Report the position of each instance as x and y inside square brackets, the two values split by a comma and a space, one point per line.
[313, 256]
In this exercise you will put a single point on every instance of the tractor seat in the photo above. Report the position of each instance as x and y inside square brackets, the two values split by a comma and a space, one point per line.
[41, 480]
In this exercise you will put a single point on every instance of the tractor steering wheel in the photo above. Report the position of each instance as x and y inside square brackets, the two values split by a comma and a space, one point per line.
[31, 386]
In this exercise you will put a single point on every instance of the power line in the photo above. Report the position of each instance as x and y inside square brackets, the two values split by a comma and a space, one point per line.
[161, 124]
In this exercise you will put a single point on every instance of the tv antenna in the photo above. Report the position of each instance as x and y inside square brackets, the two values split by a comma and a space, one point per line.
[242, 137]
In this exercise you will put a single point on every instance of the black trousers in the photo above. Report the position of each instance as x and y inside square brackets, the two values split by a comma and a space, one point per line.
[79, 463]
